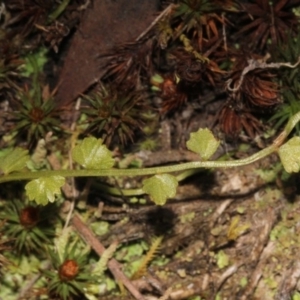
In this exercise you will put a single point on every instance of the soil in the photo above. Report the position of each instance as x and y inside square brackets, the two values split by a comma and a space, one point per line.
[229, 234]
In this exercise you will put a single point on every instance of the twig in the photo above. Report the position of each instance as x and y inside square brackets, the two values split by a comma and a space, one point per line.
[258, 64]
[113, 265]
[74, 193]
[155, 21]
[2, 10]
[228, 272]
[258, 272]
[166, 294]
[219, 211]
[260, 253]
[224, 33]
[84, 6]
[289, 281]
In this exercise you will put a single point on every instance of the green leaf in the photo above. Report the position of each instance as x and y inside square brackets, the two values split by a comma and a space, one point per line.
[222, 259]
[44, 189]
[13, 160]
[289, 154]
[296, 296]
[34, 63]
[101, 265]
[160, 187]
[92, 154]
[203, 142]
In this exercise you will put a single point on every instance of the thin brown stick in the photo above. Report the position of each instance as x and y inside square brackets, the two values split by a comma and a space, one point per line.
[166, 11]
[113, 265]
[73, 189]
[260, 252]
[289, 280]
[224, 33]
[259, 64]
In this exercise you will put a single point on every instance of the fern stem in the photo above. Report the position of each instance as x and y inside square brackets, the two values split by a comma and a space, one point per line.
[163, 169]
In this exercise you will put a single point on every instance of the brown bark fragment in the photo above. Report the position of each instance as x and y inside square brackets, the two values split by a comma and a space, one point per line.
[105, 23]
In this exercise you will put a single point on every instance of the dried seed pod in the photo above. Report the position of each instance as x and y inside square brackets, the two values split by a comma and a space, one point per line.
[233, 120]
[68, 270]
[29, 216]
[230, 121]
[264, 20]
[259, 91]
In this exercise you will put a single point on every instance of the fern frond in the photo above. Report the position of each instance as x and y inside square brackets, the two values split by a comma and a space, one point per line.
[101, 265]
[155, 244]
[166, 294]
[188, 47]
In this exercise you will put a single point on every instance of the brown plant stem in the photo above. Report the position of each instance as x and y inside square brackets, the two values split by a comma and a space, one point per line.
[165, 12]
[259, 64]
[86, 234]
